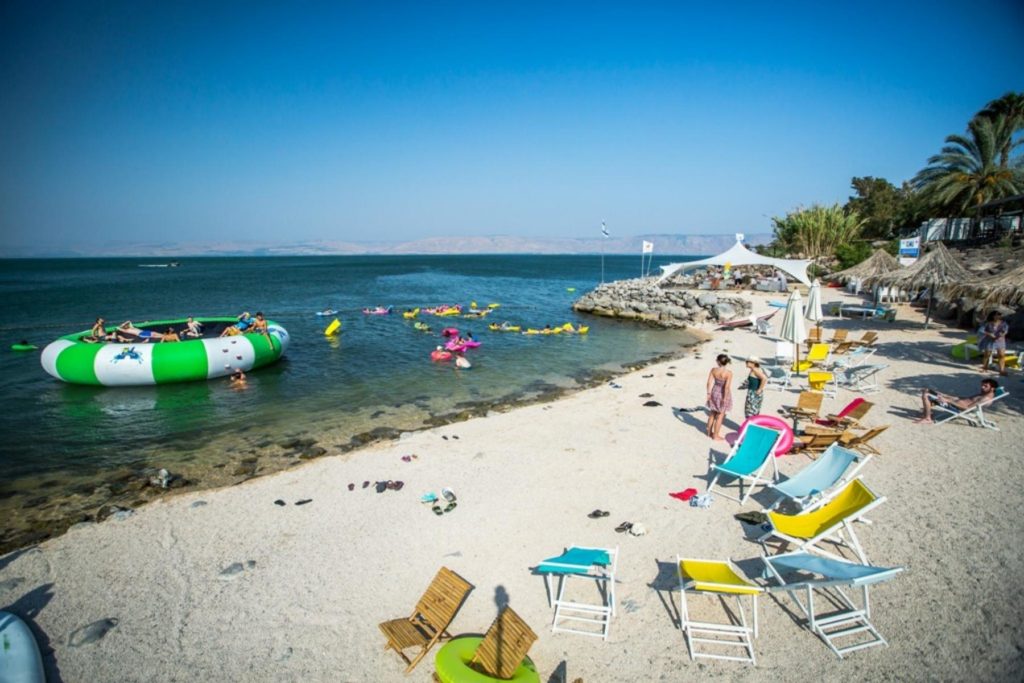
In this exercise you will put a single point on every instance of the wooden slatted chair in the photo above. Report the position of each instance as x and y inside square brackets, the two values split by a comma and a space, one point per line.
[429, 621]
[839, 336]
[861, 442]
[500, 655]
[850, 417]
[867, 339]
[807, 407]
[816, 440]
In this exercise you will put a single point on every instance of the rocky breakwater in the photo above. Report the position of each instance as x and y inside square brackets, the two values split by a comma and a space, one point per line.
[672, 307]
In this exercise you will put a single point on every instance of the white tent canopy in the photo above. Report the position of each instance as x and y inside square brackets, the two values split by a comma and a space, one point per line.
[738, 255]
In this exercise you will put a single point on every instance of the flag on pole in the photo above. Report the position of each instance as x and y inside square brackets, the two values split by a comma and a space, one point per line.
[648, 247]
[604, 230]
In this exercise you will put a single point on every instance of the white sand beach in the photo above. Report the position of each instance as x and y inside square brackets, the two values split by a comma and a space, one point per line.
[321, 576]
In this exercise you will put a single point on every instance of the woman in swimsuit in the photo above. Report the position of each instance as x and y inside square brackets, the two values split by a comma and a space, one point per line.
[719, 401]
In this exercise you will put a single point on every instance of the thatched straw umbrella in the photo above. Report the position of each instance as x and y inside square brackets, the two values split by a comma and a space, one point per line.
[1005, 289]
[879, 263]
[935, 269]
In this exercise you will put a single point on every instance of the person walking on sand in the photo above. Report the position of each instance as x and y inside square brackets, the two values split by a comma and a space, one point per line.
[992, 341]
[719, 400]
[756, 382]
[931, 397]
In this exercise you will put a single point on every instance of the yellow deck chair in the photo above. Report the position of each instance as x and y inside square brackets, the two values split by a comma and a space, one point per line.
[716, 577]
[833, 521]
[818, 355]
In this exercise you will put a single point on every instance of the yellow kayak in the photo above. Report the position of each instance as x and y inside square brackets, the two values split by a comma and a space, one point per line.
[495, 327]
[333, 328]
[493, 306]
[411, 314]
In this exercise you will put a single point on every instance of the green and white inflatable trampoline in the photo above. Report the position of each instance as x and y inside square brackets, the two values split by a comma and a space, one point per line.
[137, 363]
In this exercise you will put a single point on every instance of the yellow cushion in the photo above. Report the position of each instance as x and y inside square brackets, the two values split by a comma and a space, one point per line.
[715, 577]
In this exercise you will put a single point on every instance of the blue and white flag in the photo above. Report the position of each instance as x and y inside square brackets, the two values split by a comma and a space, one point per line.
[604, 230]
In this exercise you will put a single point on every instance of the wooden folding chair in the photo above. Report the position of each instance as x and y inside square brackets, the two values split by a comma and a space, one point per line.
[867, 339]
[850, 418]
[816, 440]
[430, 619]
[839, 336]
[807, 407]
[861, 442]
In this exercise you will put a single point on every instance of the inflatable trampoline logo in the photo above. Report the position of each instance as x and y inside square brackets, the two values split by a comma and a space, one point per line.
[127, 353]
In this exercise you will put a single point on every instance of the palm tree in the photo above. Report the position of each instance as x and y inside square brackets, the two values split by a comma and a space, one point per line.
[1010, 107]
[969, 170]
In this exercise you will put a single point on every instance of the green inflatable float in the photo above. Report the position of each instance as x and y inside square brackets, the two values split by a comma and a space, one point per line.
[144, 362]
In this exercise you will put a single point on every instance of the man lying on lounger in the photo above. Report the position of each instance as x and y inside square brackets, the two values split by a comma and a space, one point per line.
[930, 397]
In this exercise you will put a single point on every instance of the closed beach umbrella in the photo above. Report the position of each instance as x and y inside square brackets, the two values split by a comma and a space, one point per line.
[813, 312]
[793, 324]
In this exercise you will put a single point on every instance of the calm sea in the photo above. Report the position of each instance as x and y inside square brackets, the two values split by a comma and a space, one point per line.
[63, 445]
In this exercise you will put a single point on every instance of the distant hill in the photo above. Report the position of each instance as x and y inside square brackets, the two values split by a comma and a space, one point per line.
[491, 244]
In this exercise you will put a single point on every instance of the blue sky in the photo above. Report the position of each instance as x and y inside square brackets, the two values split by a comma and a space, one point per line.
[344, 121]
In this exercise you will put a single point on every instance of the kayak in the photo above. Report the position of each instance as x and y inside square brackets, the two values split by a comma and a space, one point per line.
[408, 315]
[327, 312]
[380, 310]
[23, 347]
[20, 661]
[333, 328]
[495, 327]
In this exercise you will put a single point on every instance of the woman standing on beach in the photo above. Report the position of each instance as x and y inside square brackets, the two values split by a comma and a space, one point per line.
[719, 396]
[756, 382]
[993, 341]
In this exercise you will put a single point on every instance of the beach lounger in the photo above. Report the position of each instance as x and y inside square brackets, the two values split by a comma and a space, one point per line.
[500, 655]
[719, 579]
[807, 407]
[751, 454]
[429, 620]
[832, 521]
[862, 442]
[817, 441]
[594, 564]
[975, 415]
[808, 487]
[839, 336]
[855, 357]
[861, 378]
[845, 627]
[849, 416]
[867, 339]
[813, 337]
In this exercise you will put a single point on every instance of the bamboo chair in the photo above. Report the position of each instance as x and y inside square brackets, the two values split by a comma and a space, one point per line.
[807, 407]
[500, 655]
[867, 339]
[849, 416]
[813, 337]
[839, 336]
[861, 442]
[816, 441]
[429, 620]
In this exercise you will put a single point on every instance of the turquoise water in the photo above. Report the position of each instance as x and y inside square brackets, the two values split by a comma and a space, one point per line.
[377, 374]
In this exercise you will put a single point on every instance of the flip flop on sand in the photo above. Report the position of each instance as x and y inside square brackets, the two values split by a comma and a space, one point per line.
[624, 527]
[597, 514]
[449, 495]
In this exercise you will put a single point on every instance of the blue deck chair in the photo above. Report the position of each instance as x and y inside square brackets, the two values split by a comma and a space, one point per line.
[807, 487]
[754, 449]
[845, 627]
[975, 415]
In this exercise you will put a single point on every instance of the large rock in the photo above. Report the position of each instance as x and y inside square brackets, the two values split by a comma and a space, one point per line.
[724, 311]
[706, 299]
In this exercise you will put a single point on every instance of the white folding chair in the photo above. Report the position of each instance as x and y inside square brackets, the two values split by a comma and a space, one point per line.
[975, 415]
